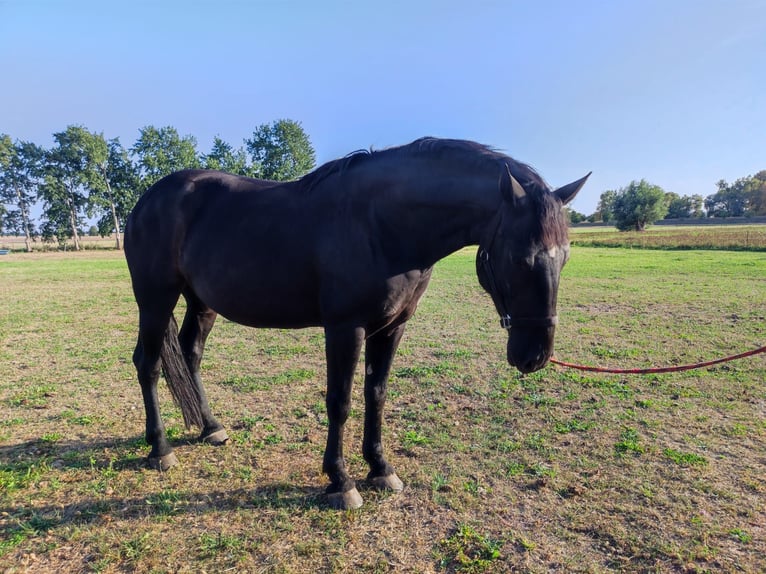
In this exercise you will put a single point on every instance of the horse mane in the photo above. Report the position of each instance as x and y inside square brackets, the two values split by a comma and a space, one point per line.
[337, 166]
[553, 228]
[455, 150]
[482, 156]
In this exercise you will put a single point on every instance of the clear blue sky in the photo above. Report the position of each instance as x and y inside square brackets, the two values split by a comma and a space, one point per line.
[673, 91]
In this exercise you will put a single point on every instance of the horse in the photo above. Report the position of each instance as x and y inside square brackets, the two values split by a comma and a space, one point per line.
[348, 247]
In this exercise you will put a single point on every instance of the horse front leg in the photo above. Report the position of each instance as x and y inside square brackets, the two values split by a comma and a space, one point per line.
[343, 346]
[379, 354]
[198, 322]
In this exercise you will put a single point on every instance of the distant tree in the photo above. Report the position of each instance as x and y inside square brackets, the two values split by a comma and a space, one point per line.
[696, 205]
[64, 187]
[224, 157]
[161, 151]
[113, 183]
[683, 207]
[758, 193]
[281, 151]
[20, 175]
[676, 206]
[574, 216]
[730, 200]
[605, 207]
[639, 204]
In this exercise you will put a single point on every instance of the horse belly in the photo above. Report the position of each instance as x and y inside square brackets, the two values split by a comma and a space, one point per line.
[256, 293]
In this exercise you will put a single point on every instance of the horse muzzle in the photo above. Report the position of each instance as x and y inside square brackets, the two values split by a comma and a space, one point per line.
[530, 349]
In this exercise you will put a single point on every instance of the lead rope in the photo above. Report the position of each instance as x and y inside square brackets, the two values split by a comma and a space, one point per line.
[651, 370]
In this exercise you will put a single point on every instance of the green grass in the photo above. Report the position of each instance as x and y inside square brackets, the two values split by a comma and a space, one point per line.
[553, 471]
[469, 551]
[685, 458]
[629, 443]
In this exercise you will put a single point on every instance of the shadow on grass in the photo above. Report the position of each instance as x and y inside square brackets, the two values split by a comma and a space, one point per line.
[26, 464]
[23, 521]
[23, 466]
[166, 503]
[73, 454]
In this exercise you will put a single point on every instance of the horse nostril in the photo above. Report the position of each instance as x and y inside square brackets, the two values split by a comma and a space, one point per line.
[528, 367]
[533, 364]
[525, 357]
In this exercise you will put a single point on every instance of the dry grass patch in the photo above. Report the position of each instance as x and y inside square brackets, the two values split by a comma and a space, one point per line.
[706, 236]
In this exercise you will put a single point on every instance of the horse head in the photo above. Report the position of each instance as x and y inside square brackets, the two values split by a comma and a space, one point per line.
[519, 263]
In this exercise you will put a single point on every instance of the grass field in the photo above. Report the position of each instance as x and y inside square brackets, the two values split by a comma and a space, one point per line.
[554, 471]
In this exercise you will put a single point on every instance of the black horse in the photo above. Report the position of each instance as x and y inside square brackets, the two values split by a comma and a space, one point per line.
[349, 247]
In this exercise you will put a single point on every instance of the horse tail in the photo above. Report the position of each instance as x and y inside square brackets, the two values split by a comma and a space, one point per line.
[183, 388]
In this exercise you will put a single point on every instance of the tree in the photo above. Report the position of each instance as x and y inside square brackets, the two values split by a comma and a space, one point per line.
[64, 187]
[696, 205]
[224, 157]
[744, 197]
[281, 151]
[574, 216]
[20, 172]
[683, 207]
[758, 193]
[639, 204]
[730, 200]
[113, 182]
[605, 207]
[161, 151]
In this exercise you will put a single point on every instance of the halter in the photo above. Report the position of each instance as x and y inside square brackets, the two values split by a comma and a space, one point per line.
[506, 321]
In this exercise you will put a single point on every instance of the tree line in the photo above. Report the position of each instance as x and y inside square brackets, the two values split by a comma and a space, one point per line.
[640, 203]
[85, 174]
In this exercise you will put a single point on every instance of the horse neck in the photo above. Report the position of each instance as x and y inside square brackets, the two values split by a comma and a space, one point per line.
[436, 215]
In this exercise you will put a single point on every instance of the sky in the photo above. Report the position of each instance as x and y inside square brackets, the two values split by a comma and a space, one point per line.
[671, 91]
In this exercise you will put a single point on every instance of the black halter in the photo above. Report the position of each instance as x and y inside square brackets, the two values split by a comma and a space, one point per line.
[506, 321]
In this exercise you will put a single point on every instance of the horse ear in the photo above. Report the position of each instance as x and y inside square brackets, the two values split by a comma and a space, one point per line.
[518, 191]
[567, 193]
[511, 189]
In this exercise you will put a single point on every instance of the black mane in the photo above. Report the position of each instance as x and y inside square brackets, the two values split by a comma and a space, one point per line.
[480, 154]
[452, 150]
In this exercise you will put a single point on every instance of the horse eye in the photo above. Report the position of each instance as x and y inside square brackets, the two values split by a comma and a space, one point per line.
[519, 261]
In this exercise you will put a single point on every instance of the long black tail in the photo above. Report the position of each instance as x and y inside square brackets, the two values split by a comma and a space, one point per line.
[180, 381]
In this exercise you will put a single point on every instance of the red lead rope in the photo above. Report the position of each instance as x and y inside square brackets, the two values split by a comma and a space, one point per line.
[659, 369]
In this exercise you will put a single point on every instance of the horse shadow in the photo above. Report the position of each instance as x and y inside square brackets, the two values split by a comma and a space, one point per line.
[22, 460]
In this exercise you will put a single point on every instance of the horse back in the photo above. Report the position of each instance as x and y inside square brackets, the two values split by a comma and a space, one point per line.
[266, 254]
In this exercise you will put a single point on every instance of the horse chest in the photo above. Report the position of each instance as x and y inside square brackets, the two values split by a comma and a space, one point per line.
[403, 293]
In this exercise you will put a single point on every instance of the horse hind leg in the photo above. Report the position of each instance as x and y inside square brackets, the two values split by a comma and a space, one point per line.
[198, 322]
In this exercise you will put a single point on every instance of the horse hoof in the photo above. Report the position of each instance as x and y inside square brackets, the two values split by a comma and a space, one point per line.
[216, 438]
[162, 463]
[344, 500]
[390, 482]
